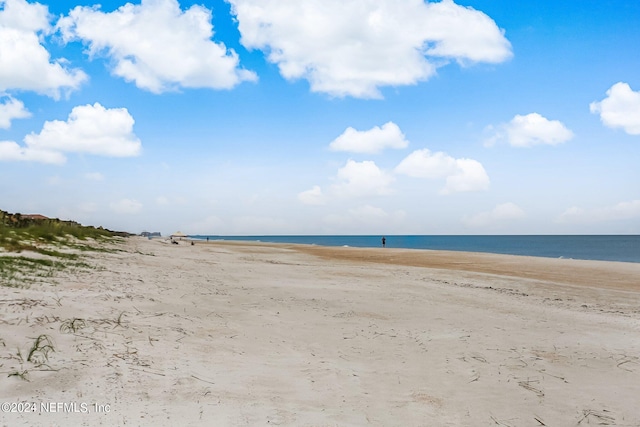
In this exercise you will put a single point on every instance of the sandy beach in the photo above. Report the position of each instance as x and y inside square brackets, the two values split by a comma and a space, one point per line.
[240, 334]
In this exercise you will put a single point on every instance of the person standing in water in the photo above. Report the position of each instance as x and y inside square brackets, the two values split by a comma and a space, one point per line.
[384, 241]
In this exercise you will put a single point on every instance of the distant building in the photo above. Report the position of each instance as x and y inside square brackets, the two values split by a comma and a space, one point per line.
[36, 217]
[151, 234]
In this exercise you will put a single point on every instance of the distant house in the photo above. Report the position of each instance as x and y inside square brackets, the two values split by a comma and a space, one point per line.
[35, 217]
[151, 234]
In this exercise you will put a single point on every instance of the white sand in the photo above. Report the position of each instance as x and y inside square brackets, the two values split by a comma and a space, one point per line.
[236, 334]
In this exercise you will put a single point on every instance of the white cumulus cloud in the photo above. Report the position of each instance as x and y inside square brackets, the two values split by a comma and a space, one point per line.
[461, 175]
[529, 130]
[313, 196]
[620, 109]
[370, 141]
[157, 45]
[25, 64]
[425, 164]
[12, 109]
[362, 179]
[469, 175]
[126, 206]
[12, 151]
[91, 129]
[498, 215]
[352, 48]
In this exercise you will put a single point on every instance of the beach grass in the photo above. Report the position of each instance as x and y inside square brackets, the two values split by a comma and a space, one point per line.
[41, 237]
[46, 246]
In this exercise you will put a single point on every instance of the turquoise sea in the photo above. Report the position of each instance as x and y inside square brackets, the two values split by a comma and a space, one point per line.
[625, 248]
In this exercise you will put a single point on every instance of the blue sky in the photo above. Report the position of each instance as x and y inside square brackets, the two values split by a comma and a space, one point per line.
[323, 116]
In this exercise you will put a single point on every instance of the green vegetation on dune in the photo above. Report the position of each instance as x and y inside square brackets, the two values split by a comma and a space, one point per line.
[20, 232]
[26, 233]
[58, 241]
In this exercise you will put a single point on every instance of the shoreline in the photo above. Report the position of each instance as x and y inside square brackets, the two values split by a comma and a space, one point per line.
[607, 274]
[620, 248]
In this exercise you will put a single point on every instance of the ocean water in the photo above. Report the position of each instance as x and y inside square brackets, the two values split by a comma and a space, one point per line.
[625, 248]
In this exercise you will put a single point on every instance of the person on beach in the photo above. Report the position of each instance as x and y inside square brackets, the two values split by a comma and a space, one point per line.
[384, 241]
